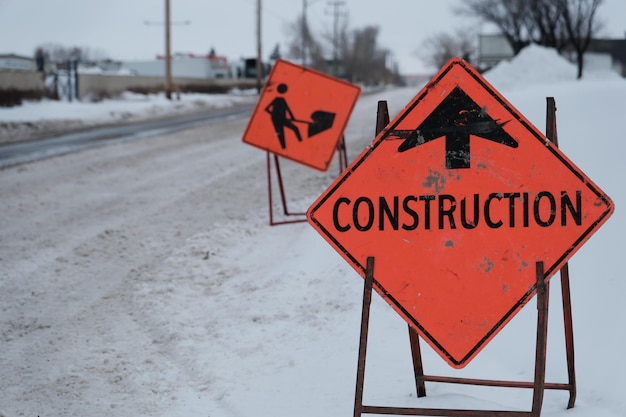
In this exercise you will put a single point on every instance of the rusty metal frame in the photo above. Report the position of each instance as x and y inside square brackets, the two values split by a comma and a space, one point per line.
[281, 188]
[342, 154]
[539, 384]
[343, 164]
[551, 134]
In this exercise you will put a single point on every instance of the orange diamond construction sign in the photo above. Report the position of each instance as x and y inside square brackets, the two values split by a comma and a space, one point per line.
[301, 114]
[457, 199]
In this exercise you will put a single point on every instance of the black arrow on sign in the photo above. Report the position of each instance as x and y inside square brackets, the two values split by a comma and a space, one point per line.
[456, 118]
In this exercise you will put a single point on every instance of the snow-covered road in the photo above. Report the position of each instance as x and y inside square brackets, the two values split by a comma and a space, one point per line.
[81, 232]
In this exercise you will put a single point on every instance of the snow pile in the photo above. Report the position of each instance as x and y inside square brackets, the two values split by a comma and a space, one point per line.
[539, 65]
[533, 65]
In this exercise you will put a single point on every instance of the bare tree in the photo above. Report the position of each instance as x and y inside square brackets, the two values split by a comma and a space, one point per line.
[359, 57]
[360, 53]
[581, 23]
[439, 49]
[59, 54]
[364, 60]
[545, 23]
[303, 44]
[337, 43]
[552, 23]
[510, 16]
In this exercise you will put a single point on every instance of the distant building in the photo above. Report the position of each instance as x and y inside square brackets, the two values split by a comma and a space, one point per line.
[493, 49]
[246, 68]
[602, 54]
[183, 66]
[614, 51]
[17, 62]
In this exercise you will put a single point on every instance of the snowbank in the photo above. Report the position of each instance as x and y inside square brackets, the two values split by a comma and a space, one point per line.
[40, 118]
[540, 65]
[533, 65]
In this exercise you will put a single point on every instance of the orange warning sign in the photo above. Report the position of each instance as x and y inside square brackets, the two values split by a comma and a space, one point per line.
[457, 199]
[301, 114]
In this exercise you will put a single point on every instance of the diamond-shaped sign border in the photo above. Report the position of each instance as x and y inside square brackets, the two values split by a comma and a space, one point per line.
[310, 88]
[550, 269]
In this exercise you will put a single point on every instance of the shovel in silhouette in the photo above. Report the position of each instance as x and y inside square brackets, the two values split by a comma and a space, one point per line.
[321, 121]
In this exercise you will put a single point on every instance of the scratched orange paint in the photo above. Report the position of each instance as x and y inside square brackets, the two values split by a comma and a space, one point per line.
[457, 199]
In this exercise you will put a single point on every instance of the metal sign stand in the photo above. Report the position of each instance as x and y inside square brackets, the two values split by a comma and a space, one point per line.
[282, 194]
[343, 164]
[342, 154]
[539, 384]
[551, 134]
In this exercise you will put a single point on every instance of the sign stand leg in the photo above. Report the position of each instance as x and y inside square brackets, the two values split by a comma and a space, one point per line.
[418, 367]
[538, 385]
[282, 193]
[551, 134]
[382, 120]
[569, 334]
[342, 154]
[365, 317]
[343, 164]
[543, 295]
[382, 116]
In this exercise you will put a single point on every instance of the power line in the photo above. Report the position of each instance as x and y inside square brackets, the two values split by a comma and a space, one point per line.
[269, 11]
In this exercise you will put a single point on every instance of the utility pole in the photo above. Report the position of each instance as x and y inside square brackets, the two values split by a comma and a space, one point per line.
[305, 29]
[336, 5]
[259, 57]
[168, 53]
[304, 32]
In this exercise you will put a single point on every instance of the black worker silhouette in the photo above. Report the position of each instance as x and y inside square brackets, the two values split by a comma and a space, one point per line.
[283, 117]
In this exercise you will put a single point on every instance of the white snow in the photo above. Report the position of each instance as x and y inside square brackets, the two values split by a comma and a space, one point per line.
[128, 105]
[37, 118]
[143, 279]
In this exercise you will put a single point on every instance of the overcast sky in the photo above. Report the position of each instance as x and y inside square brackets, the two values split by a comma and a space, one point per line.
[118, 28]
